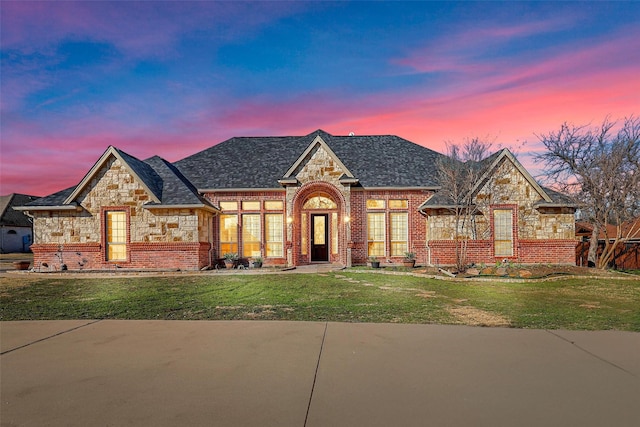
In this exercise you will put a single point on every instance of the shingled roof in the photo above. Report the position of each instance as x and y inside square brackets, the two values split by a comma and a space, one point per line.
[167, 184]
[485, 168]
[259, 162]
[10, 217]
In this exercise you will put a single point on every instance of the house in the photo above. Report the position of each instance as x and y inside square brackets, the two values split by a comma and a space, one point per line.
[16, 231]
[626, 255]
[292, 200]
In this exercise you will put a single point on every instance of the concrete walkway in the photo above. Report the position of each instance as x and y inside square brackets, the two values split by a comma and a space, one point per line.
[212, 373]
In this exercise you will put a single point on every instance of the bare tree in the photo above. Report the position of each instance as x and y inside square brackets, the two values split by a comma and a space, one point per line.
[459, 172]
[599, 168]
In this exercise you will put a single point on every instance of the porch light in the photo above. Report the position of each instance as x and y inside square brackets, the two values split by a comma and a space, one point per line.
[347, 219]
[289, 220]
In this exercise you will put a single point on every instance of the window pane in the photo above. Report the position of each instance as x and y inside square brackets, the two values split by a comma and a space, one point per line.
[229, 206]
[398, 204]
[274, 234]
[376, 249]
[334, 233]
[319, 202]
[251, 206]
[503, 232]
[399, 233]
[375, 204]
[226, 248]
[116, 236]
[117, 252]
[251, 235]
[375, 233]
[273, 205]
[228, 234]
[304, 230]
[319, 228]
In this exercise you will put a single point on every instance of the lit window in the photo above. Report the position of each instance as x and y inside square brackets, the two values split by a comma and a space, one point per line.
[116, 236]
[229, 206]
[228, 234]
[334, 233]
[375, 234]
[251, 235]
[274, 236]
[251, 206]
[273, 205]
[399, 233]
[398, 204]
[375, 204]
[503, 232]
[320, 202]
[303, 236]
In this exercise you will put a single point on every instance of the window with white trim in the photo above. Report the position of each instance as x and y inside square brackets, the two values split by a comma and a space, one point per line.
[375, 234]
[116, 233]
[399, 233]
[274, 235]
[503, 232]
[228, 233]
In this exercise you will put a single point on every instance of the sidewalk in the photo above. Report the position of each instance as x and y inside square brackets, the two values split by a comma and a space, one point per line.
[213, 373]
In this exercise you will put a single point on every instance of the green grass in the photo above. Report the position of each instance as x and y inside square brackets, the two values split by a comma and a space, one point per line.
[567, 303]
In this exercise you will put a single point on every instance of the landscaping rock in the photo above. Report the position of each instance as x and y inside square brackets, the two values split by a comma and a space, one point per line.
[473, 272]
[501, 271]
[525, 273]
[487, 271]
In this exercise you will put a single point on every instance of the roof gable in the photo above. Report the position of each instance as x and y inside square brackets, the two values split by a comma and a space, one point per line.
[144, 173]
[316, 144]
[492, 166]
[249, 163]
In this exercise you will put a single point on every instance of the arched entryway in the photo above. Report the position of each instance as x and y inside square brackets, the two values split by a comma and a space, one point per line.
[319, 225]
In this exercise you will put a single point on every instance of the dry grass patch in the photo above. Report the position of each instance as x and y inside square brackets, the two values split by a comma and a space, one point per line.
[472, 316]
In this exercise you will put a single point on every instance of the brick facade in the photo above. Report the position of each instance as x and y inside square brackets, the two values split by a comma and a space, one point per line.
[156, 238]
[188, 237]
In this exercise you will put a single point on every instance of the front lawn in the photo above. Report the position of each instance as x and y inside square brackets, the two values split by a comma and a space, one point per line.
[564, 303]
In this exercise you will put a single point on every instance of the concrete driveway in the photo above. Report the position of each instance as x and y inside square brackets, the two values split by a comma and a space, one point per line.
[212, 373]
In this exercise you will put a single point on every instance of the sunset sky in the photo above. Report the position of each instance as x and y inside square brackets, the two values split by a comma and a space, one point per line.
[173, 78]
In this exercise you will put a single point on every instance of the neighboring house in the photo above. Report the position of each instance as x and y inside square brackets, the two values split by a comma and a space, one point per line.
[291, 200]
[626, 254]
[16, 229]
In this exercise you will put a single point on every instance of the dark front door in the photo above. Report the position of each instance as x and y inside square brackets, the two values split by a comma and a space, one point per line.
[319, 237]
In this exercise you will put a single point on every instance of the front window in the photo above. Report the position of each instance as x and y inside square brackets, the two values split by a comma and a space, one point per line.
[251, 235]
[399, 233]
[116, 236]
[274, 235]
[319, 202]
[229, 234]
[503, 232]
[375, 233]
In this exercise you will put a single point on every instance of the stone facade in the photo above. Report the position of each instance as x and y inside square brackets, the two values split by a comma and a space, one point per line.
[541, 234]
[165, 234]
[75, 238]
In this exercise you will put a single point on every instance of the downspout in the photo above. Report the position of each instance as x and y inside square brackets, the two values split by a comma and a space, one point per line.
[210, 233]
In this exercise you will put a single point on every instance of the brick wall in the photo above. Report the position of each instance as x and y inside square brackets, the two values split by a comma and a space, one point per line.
[525, 251]
[140, 256]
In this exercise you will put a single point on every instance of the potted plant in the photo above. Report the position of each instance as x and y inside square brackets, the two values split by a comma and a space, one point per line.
[375, 262]
[257, 262]
[230, 259]
[409, 259]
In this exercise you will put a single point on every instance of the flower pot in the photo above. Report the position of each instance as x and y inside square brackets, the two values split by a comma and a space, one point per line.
[257, 264]
[375, 264]
[410, 263]
[228, 263]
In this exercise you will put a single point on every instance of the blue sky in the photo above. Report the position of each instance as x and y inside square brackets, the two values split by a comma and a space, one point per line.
[172, 78]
